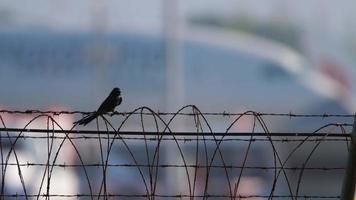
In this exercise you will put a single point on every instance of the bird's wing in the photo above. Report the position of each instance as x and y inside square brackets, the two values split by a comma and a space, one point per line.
[107, 105]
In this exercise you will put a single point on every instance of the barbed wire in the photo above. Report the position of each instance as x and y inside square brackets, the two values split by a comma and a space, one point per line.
[151, 133]
[224, 113]
[179, 196]
[158, 148]
[188, 139]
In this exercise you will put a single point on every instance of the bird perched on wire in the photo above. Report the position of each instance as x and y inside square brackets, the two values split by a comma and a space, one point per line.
[114, 99]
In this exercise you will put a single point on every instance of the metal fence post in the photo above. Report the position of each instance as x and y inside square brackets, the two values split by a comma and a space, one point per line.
[348, 189]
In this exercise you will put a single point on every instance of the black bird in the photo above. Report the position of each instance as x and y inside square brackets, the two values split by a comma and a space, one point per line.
[114, 99]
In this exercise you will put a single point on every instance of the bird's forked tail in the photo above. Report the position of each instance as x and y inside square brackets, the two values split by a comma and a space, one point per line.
[85, 120]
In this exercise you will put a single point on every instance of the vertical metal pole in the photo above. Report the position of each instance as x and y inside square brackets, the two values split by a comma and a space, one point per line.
[173, 54]
[348, 189]
[174, 83]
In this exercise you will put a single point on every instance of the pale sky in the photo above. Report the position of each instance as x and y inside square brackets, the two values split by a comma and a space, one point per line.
[78, 14]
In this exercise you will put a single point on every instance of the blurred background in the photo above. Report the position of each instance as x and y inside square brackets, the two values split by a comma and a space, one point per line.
[272, 56]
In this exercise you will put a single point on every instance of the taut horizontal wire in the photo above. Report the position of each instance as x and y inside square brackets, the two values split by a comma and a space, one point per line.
[172, 196]
[185, 139]
[324, 115]
[29, 164]
[259, 134]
